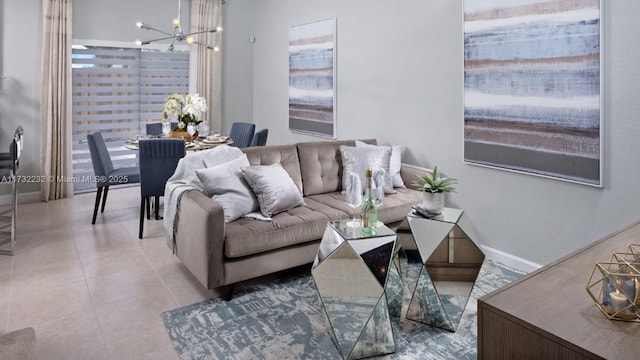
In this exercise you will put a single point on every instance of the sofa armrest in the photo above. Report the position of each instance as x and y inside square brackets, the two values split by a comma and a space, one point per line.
[410, 173]
[200, 238]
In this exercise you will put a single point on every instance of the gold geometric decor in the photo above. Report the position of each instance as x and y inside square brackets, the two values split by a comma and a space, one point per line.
[614, 286]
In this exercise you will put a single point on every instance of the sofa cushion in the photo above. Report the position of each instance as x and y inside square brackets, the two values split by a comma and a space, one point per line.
[321, 165]
[299, 225]
[273, 187]
[225, 184]
[285, 155]
[394, 208]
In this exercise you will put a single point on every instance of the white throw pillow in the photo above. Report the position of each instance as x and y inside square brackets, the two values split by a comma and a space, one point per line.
[394, 163]
[225, 184]
[273, 187]
[356, 160]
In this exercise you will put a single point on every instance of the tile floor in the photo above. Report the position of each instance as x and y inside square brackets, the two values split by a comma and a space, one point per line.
[93, 291]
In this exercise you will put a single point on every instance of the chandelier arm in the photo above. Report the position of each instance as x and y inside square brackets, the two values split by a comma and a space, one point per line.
[212, 30]
[147, 27]
[210, 47]
[164, 38]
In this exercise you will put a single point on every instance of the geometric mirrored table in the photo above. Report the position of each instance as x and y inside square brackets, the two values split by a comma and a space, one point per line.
[449, 263]
[350, 273]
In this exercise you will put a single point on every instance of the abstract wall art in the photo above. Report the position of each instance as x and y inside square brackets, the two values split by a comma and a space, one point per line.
[312, 73]
[533, 87]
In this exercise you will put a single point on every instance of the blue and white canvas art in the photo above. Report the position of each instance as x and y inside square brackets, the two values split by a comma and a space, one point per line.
[312, 78]
[532, 87]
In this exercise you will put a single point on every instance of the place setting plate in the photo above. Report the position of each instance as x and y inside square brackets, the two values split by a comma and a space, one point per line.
[220, 140]
[191, 145]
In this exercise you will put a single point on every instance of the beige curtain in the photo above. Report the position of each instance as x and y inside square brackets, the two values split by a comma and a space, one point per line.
[205, 65]
[55, 155]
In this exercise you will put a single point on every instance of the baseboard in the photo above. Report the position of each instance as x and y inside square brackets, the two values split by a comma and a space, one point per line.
[22, 198]
[510, 260]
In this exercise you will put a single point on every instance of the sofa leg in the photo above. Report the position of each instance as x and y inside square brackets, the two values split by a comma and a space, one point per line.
[227, 292]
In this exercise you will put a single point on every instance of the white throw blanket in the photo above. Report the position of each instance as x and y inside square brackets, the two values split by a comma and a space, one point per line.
[185, 179]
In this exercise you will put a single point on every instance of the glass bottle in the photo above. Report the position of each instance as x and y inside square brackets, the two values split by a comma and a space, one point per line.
[369, 213]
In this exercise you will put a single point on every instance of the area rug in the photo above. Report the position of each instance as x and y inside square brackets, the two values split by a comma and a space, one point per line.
[282, 319]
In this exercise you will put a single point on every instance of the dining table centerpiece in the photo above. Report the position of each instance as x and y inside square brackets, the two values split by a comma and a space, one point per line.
[187, 109]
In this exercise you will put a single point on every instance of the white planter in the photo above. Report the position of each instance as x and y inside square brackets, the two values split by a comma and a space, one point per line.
[433, 202]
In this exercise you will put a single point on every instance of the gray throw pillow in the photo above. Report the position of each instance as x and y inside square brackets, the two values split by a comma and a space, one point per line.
[356, 160]
[395, 163]
[273, 187]
[225, 184]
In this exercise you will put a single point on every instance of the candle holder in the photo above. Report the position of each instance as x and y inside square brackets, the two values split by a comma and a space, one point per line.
[634, 249]
[633, 255]
[614, 285]
[629, 263]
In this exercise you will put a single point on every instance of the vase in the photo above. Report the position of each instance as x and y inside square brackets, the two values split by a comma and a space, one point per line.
[433, 202]
[184, 135]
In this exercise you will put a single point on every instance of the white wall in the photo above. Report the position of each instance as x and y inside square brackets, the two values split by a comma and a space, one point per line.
[116, 20]
[20, 22]
[399, 80]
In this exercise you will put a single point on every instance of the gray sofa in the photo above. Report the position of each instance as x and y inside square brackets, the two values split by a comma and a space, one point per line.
[220, 254]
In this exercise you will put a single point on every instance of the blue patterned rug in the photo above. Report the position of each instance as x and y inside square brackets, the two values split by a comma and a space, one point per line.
[282, 319]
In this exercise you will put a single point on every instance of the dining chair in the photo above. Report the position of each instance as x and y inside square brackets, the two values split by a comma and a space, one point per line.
[6, 156]
[154, 128]
[105, 174]
[158, 159]
[8, 217]
[242, 134]
[260, 138]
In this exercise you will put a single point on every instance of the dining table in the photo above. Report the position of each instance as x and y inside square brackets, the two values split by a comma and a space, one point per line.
[201, 143]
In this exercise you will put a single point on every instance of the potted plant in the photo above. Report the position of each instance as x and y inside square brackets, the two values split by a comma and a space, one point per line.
[433, 188]
[187, 110]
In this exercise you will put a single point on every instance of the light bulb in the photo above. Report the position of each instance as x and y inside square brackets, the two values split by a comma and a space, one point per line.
[190, 40]
[139, 42]
[139, 24]
[215, 48]
[176, 22]
[219, 28]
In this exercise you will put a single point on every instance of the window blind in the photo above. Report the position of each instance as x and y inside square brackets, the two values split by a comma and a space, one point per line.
[117, 91]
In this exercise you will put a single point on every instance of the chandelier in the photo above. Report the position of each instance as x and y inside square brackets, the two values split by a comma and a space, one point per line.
[177, 33]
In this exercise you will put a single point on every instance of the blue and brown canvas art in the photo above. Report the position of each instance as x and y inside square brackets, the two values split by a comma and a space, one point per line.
[312, 78]
[532, 91]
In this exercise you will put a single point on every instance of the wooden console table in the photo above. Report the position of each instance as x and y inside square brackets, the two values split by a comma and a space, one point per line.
[549, 315]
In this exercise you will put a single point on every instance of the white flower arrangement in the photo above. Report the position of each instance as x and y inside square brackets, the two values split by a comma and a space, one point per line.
[186, 108]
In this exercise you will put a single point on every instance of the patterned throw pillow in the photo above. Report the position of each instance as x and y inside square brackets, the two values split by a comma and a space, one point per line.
[356, 160]
[394, 164]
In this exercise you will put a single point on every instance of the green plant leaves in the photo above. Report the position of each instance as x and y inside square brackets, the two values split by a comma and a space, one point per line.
[432, 182]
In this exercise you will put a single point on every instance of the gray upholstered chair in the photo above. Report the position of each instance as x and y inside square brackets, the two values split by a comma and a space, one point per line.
[8, 216]
[154, 129]
[105, 174]
[260, 138]
[158, 159]
[242, 134]
[5, 157]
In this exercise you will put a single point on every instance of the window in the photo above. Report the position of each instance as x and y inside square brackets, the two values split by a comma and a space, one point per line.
[117, 91]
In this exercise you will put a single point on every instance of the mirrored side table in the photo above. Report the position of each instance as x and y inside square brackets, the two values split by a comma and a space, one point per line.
[351, 272]
[449, 262]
